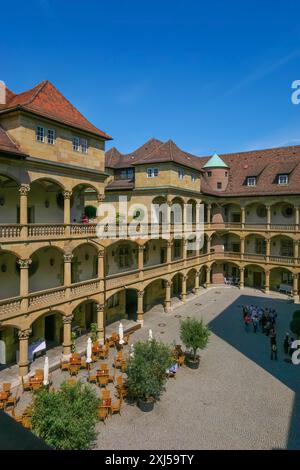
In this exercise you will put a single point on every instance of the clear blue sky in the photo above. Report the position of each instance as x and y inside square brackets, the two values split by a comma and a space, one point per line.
[213, 75]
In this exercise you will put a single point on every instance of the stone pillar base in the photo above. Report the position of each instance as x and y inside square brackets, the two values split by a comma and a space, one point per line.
[241, 286]
[23, 369]
[140, 321]
[296, 299]
[183, 298]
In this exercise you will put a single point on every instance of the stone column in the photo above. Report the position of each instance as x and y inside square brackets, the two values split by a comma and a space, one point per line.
[268, 249]
[67, 322]
[100, 323]
[68, 269]
[268, 217]
[168, 297]
[24, 190]
[140, 306]
[242, 278]
[208, 213]
[297, 217]
[23, 351]
[242, 247]
[101, 267]
[184, 250]
[24, 281]
[267, 284]
[208, 245]
[197, 282]
[169, 253]
[295, 287]
[183, 288]
[67, 207]
[141, 261]
[296, 250]
[208, 271]
[243, 217]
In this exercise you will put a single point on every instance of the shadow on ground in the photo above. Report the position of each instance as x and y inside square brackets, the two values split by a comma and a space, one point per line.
[228, 325]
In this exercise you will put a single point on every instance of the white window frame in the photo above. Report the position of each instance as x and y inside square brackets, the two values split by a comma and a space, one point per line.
[40, 134]
[251, 181]
[84, 145]
[76, 144]
[193, 178]
[286, 179]
[152, 172]
[181, 174]
[51, 140]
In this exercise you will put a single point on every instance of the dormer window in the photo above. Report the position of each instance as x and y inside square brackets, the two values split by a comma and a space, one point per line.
[76, 144]
[283, 179]
[40, 134]
[51, 136]
[251, 181]
[152, 172]
[180, 174]
[84, 145]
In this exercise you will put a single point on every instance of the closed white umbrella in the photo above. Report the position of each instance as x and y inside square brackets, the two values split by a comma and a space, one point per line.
[131, 354]
[89, 351]
[46, 371]
[150, 335]
[121, 333]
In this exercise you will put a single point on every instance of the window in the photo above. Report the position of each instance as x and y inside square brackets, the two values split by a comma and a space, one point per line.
[286, 248]
[226, 173]
[287, 211]
[113, 301]
[124, 259]
[51, 136]
[124, 174]
[283, 179]
[177, 248]
[76, 144]
[193, 178]
[40, 134]
[261, 211]
[84, 146]
[219, 185]
[209, 173]
[251, 181]
[152, 172]
[180, 174]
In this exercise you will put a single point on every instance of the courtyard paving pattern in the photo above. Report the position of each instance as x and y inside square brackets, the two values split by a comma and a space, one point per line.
[237, 399]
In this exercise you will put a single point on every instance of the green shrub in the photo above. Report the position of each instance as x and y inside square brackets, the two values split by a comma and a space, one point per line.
[295, 326]
[146, 370]
[194, 334]
[94, 332]
[90, 211]
[66, 419]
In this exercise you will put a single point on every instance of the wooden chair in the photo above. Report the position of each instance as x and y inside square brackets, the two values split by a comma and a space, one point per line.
[102, 414]
[39, 373]
[35, 386]
[103, 366]
[180, 361]
[92, 379]
[11, 402]
[116, 407]
[26, 422]
[83, 364]
[117, 363]
[119, 381]
[7, 388]
[124, 366]
[103, 354]
[102, 381]
[73, 369]
[114, 337]
[17, 418]
[121, 392]
[26, 385]
[126, 339]
[64, 366]
[111, 378]
[105, 394]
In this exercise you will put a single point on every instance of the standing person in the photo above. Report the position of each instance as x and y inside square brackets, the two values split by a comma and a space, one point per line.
[272, 336]
[274, 352]
[84, 219]
[286, 343]
[245, 311]
[255, 323]
[247, 321]
[267, 327]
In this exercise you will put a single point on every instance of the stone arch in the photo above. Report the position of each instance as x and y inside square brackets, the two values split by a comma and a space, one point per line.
[84, 262]
[46, 270]
[121, 256]
[154, 292]
[9, 274]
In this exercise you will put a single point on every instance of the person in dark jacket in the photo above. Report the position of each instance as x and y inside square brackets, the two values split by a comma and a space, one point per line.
[286, 343]
[274, 352]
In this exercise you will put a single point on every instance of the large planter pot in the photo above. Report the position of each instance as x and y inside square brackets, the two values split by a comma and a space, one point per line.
[146, 405]
[191, 362]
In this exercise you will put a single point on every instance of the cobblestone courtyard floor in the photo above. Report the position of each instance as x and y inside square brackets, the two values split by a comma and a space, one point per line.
[237, 399]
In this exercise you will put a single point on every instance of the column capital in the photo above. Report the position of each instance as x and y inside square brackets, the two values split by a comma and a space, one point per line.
[141, 293]
[168, 283]
[68, 257]
[101, 253]
[170, 243]
[24, 334]
[24, 263]
[242, 270]
[184, 277]
[67, 194]
[295, 275]
[100, 307]
[100, 197]
[141, 248]
[24, 189]
[67, 319]
[208, 268]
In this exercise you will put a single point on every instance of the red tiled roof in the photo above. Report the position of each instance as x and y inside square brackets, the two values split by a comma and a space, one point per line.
[7, 144]
[45, 100]
[119, 185]
[115, 159]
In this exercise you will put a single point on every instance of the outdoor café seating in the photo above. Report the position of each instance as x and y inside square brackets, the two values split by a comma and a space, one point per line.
[105, 394]
[116, 406]
[102, 413]
[11, 401]
[102, 380]
[6, 387]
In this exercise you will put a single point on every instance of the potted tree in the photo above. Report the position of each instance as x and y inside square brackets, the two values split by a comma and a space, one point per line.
[146, 372]
[194, 335]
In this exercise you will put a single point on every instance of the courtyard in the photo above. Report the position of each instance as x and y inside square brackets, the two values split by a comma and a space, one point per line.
[237, 399]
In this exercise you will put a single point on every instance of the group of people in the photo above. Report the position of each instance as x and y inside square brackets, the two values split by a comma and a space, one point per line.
[264, 320]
